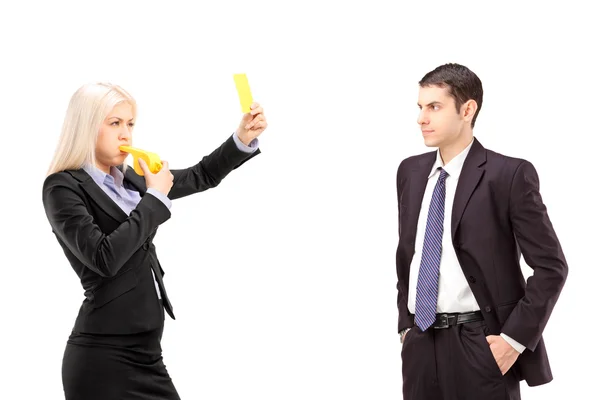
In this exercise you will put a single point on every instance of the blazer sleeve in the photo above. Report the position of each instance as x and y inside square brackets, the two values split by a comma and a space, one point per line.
[210, 171]
[72, 223]
[542, 252]
[404, 319]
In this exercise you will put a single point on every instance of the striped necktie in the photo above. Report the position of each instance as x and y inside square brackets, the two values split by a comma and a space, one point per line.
[429, 271]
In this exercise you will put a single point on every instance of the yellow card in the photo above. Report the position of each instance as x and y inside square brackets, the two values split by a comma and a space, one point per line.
[243, 89]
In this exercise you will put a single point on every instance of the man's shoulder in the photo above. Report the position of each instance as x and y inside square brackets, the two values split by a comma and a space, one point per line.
[496, 159]
[414, 161]
[505, 170]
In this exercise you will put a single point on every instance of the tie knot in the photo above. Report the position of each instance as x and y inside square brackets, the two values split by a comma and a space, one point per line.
[443, 173]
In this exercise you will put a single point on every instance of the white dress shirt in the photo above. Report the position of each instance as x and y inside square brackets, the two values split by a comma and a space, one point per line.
[454, 293]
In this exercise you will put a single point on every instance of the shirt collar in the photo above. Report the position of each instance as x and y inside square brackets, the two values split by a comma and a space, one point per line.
[455, 165]
[101, 177]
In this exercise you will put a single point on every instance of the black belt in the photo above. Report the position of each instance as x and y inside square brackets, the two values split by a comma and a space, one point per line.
[446, 320]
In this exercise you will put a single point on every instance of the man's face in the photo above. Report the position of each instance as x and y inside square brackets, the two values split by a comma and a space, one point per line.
[440, 124]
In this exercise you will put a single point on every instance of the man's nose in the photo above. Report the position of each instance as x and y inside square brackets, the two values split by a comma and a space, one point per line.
[421, 119]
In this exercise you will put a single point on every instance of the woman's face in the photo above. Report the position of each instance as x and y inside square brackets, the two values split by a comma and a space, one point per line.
[115, 131]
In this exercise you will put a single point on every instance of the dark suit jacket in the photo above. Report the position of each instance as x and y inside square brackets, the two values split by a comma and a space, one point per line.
[111, 252]
[497, 214]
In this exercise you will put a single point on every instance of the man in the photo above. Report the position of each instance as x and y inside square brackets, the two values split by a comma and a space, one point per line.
[470, 327]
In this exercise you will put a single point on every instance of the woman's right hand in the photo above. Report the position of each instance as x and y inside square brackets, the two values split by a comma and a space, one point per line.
[161, 181]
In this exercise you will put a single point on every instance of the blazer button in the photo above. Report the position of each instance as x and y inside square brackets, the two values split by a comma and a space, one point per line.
[488, 309]
[472, 279]
[145, 246]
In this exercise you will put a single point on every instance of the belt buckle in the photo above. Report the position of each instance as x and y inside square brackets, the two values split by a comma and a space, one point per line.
[445, 320]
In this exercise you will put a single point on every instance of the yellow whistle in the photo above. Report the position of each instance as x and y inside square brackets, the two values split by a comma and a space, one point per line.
[152, 159]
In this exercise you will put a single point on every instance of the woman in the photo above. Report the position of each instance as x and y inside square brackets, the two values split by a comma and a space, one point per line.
[104, 215]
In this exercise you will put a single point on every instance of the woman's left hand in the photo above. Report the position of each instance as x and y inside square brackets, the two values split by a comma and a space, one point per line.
[252, 124]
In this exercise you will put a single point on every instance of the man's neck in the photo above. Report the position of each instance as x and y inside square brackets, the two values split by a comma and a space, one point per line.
[451, 150]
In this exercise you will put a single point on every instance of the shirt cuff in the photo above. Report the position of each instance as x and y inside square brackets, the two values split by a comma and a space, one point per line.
[402, 333]
[166, 201]
[242, 147]
[516, 345]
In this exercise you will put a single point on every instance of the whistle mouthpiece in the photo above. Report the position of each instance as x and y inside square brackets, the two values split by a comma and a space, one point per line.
[151, 159]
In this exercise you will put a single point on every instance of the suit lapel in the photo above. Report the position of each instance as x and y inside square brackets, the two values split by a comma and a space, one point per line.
[469, 178]
[97, 195]
[138, 182]
[101, 198]
[418, 183]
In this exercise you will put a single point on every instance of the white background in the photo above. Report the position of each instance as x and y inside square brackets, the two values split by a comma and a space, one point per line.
[283, 278]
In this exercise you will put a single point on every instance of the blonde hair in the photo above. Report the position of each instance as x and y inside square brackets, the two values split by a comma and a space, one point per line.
[87, 110]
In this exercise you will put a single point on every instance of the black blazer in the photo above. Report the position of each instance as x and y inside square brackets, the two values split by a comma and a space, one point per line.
[498, 213]
[111, 252]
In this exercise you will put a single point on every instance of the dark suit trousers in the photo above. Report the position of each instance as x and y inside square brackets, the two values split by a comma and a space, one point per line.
[454, 363]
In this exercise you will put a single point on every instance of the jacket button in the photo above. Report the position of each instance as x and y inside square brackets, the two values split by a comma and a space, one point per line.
[472, 279]
[488, 309]
[145, 246]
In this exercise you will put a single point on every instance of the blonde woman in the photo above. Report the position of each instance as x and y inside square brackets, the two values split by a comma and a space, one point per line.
[104, 216]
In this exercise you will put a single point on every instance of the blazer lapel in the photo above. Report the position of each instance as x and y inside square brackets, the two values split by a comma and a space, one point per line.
[97, 195]
[418, 183]
[138, 182]
[469, 178]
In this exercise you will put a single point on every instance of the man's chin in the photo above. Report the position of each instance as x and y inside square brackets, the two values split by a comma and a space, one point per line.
[430, 142]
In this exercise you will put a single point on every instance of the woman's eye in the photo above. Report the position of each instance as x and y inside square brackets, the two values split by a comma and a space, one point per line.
[131, 124]
[115, 123]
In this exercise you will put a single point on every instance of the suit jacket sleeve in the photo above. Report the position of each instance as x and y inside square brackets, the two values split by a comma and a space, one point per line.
[542, 251]
[72, 223]
[404, 320]
[210, 171]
